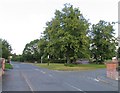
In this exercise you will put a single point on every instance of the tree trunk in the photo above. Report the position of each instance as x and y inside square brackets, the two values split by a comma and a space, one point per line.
[48, 63]
[68, 58]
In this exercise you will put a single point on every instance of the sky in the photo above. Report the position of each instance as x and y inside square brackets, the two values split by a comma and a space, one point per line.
[22, 21]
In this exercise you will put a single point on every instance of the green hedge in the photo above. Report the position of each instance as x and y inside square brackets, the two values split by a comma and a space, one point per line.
[53, 61]
[8, 66]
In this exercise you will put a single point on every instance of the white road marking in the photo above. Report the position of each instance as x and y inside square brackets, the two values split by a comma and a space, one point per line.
[50, 75]
[62, 71]
[96, 80]
[28, 83]
[78, 89]
[37, 69]
[43, 72]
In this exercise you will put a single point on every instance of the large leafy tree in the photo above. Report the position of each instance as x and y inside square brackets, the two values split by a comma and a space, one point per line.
[103, 41]
[31, 51]
[67, 34]
[5, 49]
[42, 44]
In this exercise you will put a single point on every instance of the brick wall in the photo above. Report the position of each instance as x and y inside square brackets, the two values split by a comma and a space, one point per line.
[111, 70]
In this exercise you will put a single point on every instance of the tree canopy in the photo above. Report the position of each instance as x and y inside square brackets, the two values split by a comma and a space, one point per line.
[103, 41]
[67, 34]
[31, 52]
[5, 48]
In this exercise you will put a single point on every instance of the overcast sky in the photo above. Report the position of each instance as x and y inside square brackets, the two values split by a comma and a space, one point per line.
[22, 21]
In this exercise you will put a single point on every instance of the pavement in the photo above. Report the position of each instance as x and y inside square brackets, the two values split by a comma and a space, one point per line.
[0, 84]
[0, 72]
[27, 77]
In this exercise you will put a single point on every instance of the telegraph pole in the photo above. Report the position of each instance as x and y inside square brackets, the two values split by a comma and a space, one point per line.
[118, 24]
[119, 42]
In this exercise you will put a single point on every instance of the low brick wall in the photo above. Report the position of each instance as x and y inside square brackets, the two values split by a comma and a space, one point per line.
[111, 70]
[2, 66]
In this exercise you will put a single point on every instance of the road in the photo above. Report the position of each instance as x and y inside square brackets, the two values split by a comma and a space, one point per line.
[27, 77]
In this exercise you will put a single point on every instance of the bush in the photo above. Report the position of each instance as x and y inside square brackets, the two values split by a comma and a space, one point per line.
[53, 61]
[91, 60]
[70, 65]
[107, 61]
[8, 66]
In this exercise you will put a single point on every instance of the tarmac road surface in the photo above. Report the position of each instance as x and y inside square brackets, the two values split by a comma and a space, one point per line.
[27, 77]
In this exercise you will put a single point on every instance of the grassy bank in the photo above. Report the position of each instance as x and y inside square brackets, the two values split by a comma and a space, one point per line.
[70, 67]
[8, 66]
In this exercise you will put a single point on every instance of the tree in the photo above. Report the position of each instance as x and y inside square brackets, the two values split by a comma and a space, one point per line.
[6, 49]
[31, 51]
[103, 42]
[66, 34]
[18, 58]
[42, 45]
[118, 53]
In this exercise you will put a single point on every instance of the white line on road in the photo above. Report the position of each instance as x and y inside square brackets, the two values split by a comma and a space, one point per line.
[75, 88]
[96, 80]
[43, 72]
[50, 75]
[37, 69]
[28, 83]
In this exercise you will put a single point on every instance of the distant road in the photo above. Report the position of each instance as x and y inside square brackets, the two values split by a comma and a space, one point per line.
[26, 77]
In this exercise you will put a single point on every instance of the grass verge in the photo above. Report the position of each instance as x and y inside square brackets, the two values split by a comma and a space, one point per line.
[8, 66]
[70, 67]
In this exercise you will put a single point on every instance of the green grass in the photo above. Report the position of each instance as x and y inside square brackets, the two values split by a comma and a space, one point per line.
[71, 67]
[8, 66]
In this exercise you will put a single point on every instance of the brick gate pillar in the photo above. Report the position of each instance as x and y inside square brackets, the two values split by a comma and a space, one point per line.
[111, 69]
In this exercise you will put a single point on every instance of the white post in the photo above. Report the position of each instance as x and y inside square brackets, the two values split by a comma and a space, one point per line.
[118, 36]
[48, 57]
[118, 24]
[41, 59]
